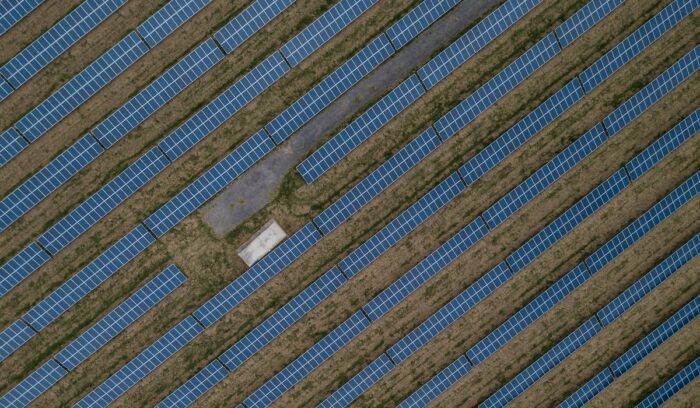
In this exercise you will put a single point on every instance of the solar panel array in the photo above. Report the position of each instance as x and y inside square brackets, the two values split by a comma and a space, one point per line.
[196, 386]
[5, 90]
[20, 266]
[167, 19]
[34, 385]
[330, 88]
[672, 386]
[14, 337]
[588, 390]
[418, 19]
[636, 42]
[585, 18]
[248, 22]
[498, 86]
[57, 39]
[11, 143]
[377, 181]
[12, 14]
[43, 182]
[438, 384]
[323, 29]
[361, 129]
[359, 383]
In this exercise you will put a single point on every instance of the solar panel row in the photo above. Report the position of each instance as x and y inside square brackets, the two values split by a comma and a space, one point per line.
[168, 18]
[11, 14]
[417, 20]
[43, 182]
[329, 89]
[323, 29]
[636, 42]
[20, 266]
[361, 129]
[14, 337]
[498, 86]
[359, 383]
[34, 385]
[672, 386]
[585, 18]
[588, 390]
[377, 181]
[5, 89]
[11, 143]
[438, 384]
[196, 386]
[248, 22]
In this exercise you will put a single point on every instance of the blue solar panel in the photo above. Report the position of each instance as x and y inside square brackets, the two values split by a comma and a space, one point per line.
[567, 221]
[377, 181]
[57, 39]
[90, 211]
[438, 384]
[636, 42]
[11, 143]
[521, 132]
[474, 40]
[589, 390]
[248, 22]
[542, 365]
[588, 16]
[284, 317]
[449, 313]
[663, 146]
[196, 386]
[330, 88]
[358, 384]
[653, 92]
[20, 266]
[269, 266]
[209, 183]
[224, 106]
[34, 385]
[323, 29]
[634, 231]
[13, 337]
[361, 129]
[143, 364]
[46, 180]
[402, 225]
[545, 176]
[120, 317]
[425, 269]
[498, 86]
[81, 87]
[417, 20]
[672, 386]
[166, 20]
[5, 89]
[157, 93]
[649, 281]
[90, 277]
[11, 14]
[528, 314]
[307, 362]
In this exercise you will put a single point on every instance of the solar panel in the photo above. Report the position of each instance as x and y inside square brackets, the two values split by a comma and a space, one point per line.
[567, 221]
[377, 181]
[652, 340]
[330, 88]
[528, 314]
[307, 362]
[89, 278]
[402, 225]
[418, 19]
[13, 337]
[361, 129]
[269, 266]
[545, 176]
[248, 22]
[438, 384]
[635, 43]
[672, 386]
[34, 385]
[224, 106]
[634, 231]
[11, 143]
[425, 269]
[521, 132]
[157, 93]
[542, 365]
[588, 16]
[143, 364]
[120, 317]
[167, 19]
[449, 313]
[649, 281]
[20, 266]
[61, 36]
[497, 87]
[5, 89]
[46, 180]
[196, 386]
[323, 29]
[284, 317]
[589, 390]
[664, 145]
[209, 183]
[653, 92]
[474, 40]
[115, 192]
[360, 383]
[11, 14]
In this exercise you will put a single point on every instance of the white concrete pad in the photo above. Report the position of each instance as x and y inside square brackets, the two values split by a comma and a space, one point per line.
[262, 243]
